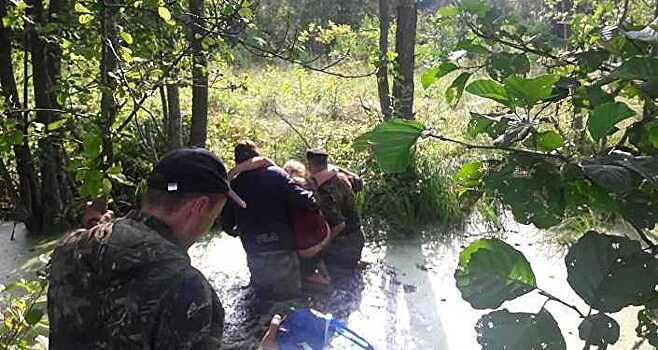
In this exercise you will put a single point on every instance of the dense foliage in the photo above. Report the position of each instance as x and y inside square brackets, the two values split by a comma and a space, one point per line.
[572, 132]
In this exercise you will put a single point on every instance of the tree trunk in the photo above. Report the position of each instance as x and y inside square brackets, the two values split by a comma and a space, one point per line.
[28, 199]
[109, 64]
[199, 126]
[46, 61]
[382, 71]
[405, 42]
[174, 120]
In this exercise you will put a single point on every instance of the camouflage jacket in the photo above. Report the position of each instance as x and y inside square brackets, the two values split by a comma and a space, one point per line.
[128, 284]
[337, 202]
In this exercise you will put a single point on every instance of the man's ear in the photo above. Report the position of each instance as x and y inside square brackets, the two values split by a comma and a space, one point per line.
[201, 204]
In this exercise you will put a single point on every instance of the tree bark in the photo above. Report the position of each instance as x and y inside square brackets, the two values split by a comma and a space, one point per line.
[27, 200]
[382, 71]
[109, 64]
[174, 120]
[405, 42]
[199, 125]
[46, 62]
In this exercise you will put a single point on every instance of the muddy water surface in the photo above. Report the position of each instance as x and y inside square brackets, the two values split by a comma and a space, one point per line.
[404, 297]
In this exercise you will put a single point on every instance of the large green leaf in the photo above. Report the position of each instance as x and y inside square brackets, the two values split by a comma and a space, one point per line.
[528, 91]
[469, 177]
[638, 68]
[432, 74]
[456, 89]
[610, 272]
[491, 271]
[504, 330]
[599, 329]
[603, 118]
[503, 64]
[591, 96]
[392, 143]
[531, 187]
[489, 89]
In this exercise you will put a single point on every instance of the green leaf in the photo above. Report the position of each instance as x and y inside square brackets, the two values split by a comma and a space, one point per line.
[489, 89]
[57, 124]
[456, 89]
[469, 176]
[92, 145]
[448, 11]
[531, 186]
[80, 8]
[591, 96]
[127, 37]
[392, 143]
[527, 92]
[599, 329]
[638, 68]
[476, 7]
[590, 61]
[502, 329]
[7, 21]
[478, 124]
[548, 141]
[84, 19]
[491, 271]
[164, 13]
[107, 186]
[437, 72]
[503, 64]
[605, 271]
[604, 117]
[33, 316]
[246, 12]
[92, 185]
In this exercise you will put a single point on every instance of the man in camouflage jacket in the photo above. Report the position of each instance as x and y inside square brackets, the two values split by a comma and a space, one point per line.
[128, 284]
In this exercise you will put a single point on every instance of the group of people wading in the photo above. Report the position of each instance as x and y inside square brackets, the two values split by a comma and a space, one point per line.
[127, 283]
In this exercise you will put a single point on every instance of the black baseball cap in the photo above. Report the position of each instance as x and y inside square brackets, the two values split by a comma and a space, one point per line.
[192, 169]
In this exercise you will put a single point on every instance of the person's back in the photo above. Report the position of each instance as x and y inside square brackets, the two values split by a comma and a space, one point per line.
[264, 225]
[130, 285]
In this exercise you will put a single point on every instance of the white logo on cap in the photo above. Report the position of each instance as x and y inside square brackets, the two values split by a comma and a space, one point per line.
[172, 186]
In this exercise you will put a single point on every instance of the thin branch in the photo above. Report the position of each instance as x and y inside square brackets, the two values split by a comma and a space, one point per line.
[556, 299]
[285, 120]
[268, 53]
[498, 148]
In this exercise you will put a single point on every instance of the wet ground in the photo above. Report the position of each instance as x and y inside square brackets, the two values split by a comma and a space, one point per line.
[404, 297]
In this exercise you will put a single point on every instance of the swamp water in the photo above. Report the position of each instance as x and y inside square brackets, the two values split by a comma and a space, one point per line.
[403, 298]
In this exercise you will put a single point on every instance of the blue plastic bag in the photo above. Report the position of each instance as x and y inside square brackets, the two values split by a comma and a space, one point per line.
[307, 329]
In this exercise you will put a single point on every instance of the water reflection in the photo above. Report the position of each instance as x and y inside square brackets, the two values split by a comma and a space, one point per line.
[405, 295]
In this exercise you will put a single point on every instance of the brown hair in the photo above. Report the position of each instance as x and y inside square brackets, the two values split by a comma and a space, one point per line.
[245, 150]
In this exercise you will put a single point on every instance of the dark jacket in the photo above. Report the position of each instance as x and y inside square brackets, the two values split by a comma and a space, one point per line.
[264, 226]
[130, 285]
